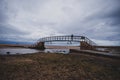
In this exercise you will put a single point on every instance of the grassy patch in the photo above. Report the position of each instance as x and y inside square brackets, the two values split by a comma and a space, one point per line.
[42, 66]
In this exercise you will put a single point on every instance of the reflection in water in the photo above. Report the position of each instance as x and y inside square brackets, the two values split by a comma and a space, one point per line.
[4, 51]
[64, 51]
[11, 51]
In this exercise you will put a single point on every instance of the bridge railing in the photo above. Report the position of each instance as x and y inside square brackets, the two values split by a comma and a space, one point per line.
[61, 38]
[67, 38]
[90, 42]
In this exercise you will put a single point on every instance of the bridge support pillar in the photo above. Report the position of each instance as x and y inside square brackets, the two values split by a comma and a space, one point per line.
[40, 45]
[85, 46]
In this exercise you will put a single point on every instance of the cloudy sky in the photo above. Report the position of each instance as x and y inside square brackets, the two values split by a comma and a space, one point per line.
[29, 20]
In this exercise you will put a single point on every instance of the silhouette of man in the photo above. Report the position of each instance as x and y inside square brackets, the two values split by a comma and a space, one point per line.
[82, 37]
[72, 37]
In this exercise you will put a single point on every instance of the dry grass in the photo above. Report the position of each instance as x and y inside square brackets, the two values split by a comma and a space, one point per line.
[42, 66]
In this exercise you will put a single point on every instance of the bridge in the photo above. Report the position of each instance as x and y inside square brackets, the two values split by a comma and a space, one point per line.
[85, 43]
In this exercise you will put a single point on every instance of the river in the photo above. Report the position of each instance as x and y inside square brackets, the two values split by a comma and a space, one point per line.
[10, 51]
[16, 51]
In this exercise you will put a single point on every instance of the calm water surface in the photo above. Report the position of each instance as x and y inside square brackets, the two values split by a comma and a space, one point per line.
[64, 51]
[4, 51]
[12, 51]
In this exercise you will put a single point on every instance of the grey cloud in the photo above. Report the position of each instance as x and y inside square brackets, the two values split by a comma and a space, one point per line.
[7, 29]
[96, 19]
[109, 30]
[9, 32]
[3, 9]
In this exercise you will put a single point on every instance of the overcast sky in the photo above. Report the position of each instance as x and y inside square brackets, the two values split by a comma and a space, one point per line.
[29, 20]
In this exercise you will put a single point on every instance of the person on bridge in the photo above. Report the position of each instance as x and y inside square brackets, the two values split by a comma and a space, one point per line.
[72, 37]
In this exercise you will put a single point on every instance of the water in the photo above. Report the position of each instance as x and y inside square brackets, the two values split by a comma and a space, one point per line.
[65, 43]
[4, 51]
[13, 51]
[64, 51]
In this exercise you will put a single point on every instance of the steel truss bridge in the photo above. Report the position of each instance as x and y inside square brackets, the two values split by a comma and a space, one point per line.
[85, 43]
[66, 38]
[69, 38]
